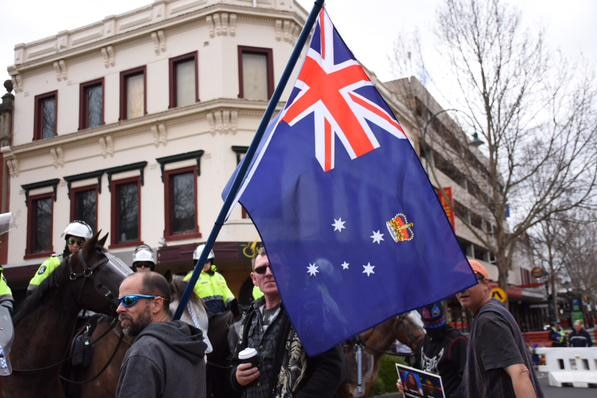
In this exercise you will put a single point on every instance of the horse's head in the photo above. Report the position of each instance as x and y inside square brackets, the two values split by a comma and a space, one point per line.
[99, 273]
[374, 343]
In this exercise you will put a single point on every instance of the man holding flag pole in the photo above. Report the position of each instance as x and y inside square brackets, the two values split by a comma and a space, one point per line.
[354, 231]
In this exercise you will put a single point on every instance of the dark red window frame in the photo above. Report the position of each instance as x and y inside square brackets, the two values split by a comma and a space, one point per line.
[169, 234]
[84, 105]
[270, 67]
[240, 152]
[124, 75]
[172, 76]
[73, 203]
[31, 217]
[37, 124]
[115, 214]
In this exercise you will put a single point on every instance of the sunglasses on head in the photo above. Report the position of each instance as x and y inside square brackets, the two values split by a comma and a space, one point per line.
[130, 300]
[261, 270]
[480, 277]
[75, 241]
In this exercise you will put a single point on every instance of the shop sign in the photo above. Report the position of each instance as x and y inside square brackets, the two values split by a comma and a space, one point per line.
[537, 272]
[447, 201]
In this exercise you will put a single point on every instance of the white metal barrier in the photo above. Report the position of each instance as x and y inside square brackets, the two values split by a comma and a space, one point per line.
[575, 367]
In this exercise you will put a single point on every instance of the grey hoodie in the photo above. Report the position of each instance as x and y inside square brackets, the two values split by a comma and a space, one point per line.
[165, 360]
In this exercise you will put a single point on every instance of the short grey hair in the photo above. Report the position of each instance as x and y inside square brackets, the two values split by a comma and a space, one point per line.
[260, 253]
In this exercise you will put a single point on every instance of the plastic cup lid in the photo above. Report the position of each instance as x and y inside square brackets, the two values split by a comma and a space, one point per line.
[247, 353]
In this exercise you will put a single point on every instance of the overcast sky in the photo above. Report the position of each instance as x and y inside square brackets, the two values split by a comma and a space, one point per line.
[370, 27]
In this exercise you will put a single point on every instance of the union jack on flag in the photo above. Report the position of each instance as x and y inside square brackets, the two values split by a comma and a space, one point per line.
[328, 88]
[353, 229]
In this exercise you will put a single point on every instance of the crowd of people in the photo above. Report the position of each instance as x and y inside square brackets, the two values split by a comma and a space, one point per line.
[166, 351]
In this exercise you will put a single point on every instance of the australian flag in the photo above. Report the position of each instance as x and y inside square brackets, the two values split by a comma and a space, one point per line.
[354, 231]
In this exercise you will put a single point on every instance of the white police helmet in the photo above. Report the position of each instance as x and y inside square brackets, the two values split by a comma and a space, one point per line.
[199, 250]
[79, 229]
[143, 253]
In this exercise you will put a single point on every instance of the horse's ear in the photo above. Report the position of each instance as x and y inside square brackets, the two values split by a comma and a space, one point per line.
[90, 243]
[102, 241]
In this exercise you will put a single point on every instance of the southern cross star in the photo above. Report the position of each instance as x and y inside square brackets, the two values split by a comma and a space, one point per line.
[377, 237]
[368, 269]
[339, 224]
[344, 265]
[312, 269]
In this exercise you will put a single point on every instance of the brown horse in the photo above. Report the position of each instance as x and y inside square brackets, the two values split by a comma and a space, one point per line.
[376, 342]
[45, 323]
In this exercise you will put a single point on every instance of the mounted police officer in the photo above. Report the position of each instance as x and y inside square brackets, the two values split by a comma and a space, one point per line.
[6, 327]
[75, 235]
[211, 286]
[143, 259]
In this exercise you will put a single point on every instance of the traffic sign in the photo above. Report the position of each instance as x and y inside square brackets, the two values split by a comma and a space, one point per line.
[499, 294]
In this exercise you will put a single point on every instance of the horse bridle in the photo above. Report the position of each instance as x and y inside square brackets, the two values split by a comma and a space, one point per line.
[87, 270]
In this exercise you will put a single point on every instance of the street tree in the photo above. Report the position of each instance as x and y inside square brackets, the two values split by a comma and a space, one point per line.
[535, 112]
[576, 249]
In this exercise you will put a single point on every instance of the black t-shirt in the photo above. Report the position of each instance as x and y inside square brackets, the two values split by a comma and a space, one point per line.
[495, 344]
[444, 353]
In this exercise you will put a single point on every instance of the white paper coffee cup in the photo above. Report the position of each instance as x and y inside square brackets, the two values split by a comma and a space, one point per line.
[248, 355]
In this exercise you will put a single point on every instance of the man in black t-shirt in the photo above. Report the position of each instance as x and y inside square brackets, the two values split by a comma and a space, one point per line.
[498, 362]
[443, 351]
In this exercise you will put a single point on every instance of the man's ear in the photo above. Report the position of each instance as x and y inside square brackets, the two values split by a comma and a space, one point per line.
[158, 306]
[254, 278]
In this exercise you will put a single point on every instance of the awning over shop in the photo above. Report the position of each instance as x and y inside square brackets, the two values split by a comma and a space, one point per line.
[526, 293]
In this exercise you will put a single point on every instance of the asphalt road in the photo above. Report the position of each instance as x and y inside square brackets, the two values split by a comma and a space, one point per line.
[565, 392]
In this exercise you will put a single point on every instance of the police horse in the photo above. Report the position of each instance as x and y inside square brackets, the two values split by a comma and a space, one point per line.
[45, 323]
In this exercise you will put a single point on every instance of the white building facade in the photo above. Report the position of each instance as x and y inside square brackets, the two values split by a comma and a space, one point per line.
[135, 123]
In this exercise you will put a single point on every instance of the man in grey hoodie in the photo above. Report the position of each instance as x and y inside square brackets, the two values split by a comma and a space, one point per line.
[166, 358]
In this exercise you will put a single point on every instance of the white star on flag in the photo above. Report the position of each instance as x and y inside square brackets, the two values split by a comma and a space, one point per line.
[345, 265]
[312, 269]
[338, 224]
[377, 237]
[368, 269]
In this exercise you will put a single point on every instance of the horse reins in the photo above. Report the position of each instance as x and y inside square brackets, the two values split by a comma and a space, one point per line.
[103, 369]
[60, 362]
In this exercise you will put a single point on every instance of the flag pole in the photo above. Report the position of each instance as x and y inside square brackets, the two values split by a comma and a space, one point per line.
[296, 52]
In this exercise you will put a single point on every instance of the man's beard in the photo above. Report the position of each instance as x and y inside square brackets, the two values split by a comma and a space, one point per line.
[135, 327]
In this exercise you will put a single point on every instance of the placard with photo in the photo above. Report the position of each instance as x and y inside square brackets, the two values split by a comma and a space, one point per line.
[418, 383]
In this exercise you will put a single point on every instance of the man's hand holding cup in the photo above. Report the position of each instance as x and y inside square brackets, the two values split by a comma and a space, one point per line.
[247, 371]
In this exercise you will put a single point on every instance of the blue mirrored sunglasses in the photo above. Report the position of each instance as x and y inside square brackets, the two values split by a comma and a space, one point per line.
[130, 300]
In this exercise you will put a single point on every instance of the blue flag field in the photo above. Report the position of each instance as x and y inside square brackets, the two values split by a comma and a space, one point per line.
[353, 228]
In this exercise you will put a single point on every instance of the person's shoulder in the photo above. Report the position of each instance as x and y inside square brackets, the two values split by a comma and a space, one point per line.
[492, 309]
[490, 318]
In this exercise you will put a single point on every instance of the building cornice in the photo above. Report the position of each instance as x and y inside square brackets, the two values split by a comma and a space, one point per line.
[104, 35]
[221, 114]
